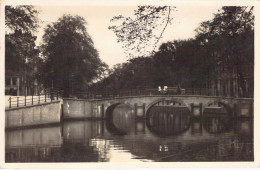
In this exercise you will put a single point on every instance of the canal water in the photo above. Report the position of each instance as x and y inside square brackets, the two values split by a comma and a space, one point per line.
[168, 134]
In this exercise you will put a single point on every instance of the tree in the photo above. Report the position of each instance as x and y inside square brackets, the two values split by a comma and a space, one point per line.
[71, 61]
[221, 54]
[163, 62]
[21, 23]
[144, 31]
[225, 38]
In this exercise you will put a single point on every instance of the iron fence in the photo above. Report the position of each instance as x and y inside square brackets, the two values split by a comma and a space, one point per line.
[49, 95]
[149, 92]
[136, 92]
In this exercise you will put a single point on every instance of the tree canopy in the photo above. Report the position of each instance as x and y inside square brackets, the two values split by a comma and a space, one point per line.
[71, 61]
[141, 33]
[230, 39]
[21, 53]
[223, 50]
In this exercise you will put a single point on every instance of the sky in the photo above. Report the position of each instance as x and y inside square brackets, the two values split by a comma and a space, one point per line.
[186, 20]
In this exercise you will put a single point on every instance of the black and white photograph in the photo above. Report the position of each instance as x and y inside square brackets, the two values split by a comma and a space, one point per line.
[128, 83]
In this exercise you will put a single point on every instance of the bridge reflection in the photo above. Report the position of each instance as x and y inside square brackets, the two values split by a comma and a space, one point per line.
[218, 124]
[168, 134]
[168, 120]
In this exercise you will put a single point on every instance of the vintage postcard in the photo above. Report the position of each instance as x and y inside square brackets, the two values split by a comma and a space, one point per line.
[133, 84]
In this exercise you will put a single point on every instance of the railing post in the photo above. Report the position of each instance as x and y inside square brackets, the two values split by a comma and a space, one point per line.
[25, 100]
[10, 102]
[45, 96]
[57, 95]
[39, 99]
[17, 101]
[32, 99]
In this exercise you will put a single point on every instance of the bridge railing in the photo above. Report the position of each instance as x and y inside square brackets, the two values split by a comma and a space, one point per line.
[49, 95]
[149, 92]
[124, 93]
[199, 91]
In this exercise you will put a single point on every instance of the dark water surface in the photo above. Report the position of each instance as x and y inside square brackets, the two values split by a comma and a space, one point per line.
[168, 134]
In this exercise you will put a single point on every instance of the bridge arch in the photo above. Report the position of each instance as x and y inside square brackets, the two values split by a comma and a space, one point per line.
[111, 107]
[176, 124]
[173, 100]
[110, 124]
[219, 102]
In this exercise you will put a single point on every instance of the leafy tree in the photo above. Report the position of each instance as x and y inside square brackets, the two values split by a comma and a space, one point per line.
[142, 31]
[137, 73]
[71, 60]
[224, 36]
[223, 48]
[21, 22]
[163, 61]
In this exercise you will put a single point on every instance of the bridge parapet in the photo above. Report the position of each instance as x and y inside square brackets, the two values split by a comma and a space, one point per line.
[97, 108]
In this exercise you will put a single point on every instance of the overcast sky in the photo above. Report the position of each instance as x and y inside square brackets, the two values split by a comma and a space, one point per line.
[186, 20]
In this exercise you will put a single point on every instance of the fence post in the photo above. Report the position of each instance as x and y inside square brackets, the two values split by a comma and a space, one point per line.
[39, 99]
[45, 96]
[17, 101]
[57, 95]
[25, 100]
[32, 99]
[10, 102]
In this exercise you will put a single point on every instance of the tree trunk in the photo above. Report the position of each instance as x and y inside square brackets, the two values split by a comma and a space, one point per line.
[216, 87]
[241, 80]
[208, 83]
[231, 85]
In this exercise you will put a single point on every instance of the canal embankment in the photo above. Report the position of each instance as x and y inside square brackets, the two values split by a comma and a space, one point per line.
[66, 109]
[33, 115]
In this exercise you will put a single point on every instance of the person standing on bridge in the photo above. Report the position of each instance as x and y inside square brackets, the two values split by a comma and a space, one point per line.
[178, 89]
[165, 88]
[160, 89]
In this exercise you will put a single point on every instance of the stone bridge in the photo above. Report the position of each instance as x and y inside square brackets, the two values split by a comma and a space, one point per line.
[100, 108]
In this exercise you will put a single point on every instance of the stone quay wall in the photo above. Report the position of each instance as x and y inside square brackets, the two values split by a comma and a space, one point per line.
[40, 114]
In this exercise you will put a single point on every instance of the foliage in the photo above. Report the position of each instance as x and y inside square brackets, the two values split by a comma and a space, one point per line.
[134, 74]
[21, 18]
[21, 53]
[71, 61]
[142, 31]
[222, 49]
[230, 37]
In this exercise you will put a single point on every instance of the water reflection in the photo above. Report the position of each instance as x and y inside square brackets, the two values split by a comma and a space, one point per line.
[164, 136]
[217, 124]
[32, 145]
[168, 120]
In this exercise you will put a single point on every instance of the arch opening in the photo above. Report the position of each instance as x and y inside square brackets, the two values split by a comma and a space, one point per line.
[168, 117]
[166, 102]
[217, 117]
[119, 118]
[216, 109]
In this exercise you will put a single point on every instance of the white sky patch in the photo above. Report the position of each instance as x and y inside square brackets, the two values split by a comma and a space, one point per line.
[186, 20]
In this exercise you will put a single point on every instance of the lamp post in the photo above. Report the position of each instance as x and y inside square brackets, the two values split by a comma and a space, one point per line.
[51, 91]
[52, 78]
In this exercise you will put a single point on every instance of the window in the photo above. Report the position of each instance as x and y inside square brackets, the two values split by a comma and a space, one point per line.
[14, 81]
[7, 81]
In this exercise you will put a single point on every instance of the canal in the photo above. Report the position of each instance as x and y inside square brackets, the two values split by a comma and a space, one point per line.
[168, 134]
